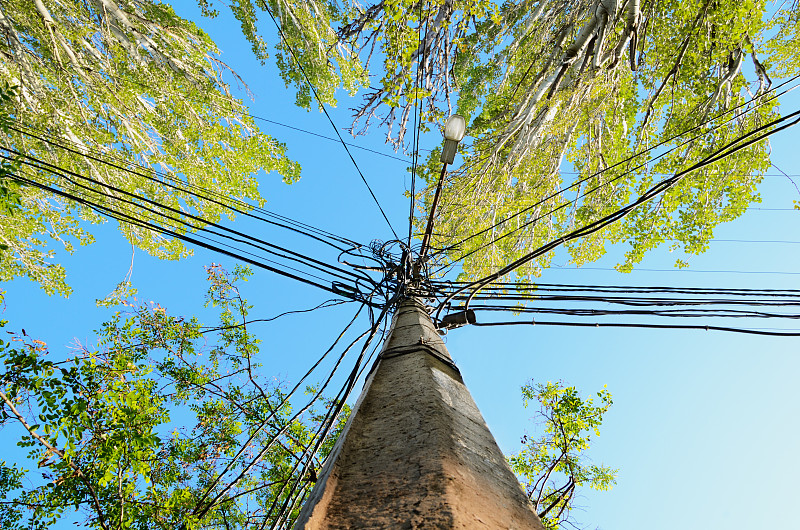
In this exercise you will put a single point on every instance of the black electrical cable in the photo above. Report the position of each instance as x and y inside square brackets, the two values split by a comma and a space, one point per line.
[321, 433]
[150, 226]
[249, 240]
[299, 227]
[785, 273]
[626, 173]
[508, 291]
[650, 326]
[269, 445]
[637, 301]
[739, 143]
[324, 305]
[625, 288]
[325, 428]
[202, 508]
[669, 313]
[300, 498]
[43, 165]
[465, 206]
[334, 412]
[199, 192]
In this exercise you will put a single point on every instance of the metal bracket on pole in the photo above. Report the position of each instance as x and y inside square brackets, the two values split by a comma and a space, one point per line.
[403, 350]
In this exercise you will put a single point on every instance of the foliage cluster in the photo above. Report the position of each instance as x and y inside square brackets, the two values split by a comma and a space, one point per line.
[163, 423]
[627, 94]
[127, 82]
[554, 465]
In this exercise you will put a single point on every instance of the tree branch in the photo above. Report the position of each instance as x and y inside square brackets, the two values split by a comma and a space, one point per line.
[42, 440]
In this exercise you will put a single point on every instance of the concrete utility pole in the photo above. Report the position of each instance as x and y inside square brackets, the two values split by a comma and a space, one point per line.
[416, 452]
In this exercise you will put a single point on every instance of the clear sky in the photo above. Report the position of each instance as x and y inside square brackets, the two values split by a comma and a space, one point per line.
[704, 425]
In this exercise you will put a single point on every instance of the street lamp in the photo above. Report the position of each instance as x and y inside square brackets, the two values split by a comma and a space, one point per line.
[454, 129]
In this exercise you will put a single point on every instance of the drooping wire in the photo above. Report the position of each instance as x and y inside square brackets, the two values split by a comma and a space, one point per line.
[328, 422]
[357, 369]
[202, 506]
[300, 498]
[208, 500]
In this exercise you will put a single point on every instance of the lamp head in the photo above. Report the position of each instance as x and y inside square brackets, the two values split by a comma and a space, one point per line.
[455, 127]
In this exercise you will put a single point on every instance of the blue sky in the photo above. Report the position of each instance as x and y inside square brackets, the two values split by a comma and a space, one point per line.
[704, 425]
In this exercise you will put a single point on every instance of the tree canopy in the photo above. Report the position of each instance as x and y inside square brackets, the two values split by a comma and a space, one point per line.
[622, 92]
[628, 95]
[625, 92]
[115, 98]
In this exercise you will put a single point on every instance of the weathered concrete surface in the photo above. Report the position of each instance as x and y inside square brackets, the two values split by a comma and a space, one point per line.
[416, 452]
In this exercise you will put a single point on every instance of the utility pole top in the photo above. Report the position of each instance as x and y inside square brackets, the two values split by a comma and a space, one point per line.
[416, 452]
